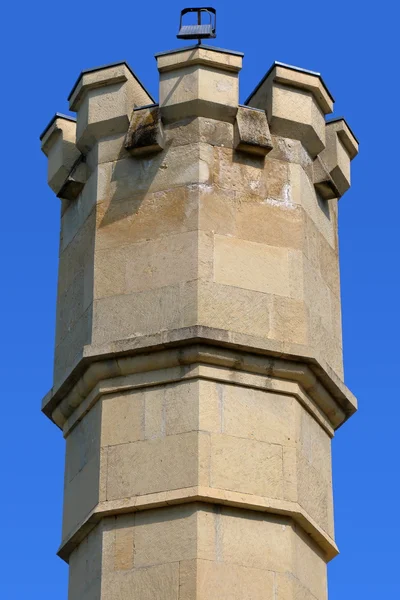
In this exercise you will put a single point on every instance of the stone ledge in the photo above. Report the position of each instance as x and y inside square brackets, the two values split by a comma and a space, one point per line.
[164, 368]
[199, 494]
[224, 60]
[97, 363]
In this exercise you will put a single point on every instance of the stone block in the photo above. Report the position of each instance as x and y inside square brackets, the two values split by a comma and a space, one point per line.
[232, 308]
[145, 134]
[145, 216]
[289, 320]
[124, 544]
[107, 149]
[199, 129]
[152, 264]
[160, 464]
[178, 166]
[212, 57]
[296, 102]
[217, 210]
[199, 82]
[70, 348]
[254, 540]
[66, 175]
[289, 150]
[208, 580]
[271, 223]
[341, 148]
[251, 176]
[326, 344]
[166, 535]
[142, 313]
[85, 568]
[122, 418]
[167, 261]
[317, 295]
[252, 131]
[79, 218]
[83, 443]
[109, 272]
[288, 587]
[251, 265]
[309, 565]
[258, 415]
[81, 495]
[244, 175]
[181, 408]
[70, 307]
[148, 583]
[103, 99]
[246, 465]
[154, 421]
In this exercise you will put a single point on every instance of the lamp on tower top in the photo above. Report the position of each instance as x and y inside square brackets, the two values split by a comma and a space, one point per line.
[204, 29]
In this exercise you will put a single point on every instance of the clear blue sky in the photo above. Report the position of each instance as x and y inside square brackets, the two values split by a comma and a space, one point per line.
[44, 46]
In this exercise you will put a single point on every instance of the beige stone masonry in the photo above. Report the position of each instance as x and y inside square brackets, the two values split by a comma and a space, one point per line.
[200, 82]
[198, 372]
[66, 172]
[181, 551]
[104, 99]
[295, 101]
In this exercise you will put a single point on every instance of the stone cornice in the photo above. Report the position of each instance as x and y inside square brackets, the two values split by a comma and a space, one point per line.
[200, 494]
[202, 345]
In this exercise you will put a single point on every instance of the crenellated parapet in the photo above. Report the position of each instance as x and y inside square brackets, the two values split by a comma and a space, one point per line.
[198, 358]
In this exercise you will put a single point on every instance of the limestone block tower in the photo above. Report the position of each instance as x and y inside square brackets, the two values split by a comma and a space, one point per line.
[198, 377]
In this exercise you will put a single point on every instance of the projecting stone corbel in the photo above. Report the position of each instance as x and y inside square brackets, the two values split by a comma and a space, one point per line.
[75, 181]
[341, 148]
[323, 182]
[145, 134]
[66, 168]
[252, 131]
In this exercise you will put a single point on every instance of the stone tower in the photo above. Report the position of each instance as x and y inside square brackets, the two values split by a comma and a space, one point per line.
[198, 377]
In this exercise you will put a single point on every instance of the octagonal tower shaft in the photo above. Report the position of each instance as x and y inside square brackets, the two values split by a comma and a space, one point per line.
[198, 375]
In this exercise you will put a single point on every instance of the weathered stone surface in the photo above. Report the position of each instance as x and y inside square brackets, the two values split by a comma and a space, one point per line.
[200, 129]
[252, 131]
[145, 134]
